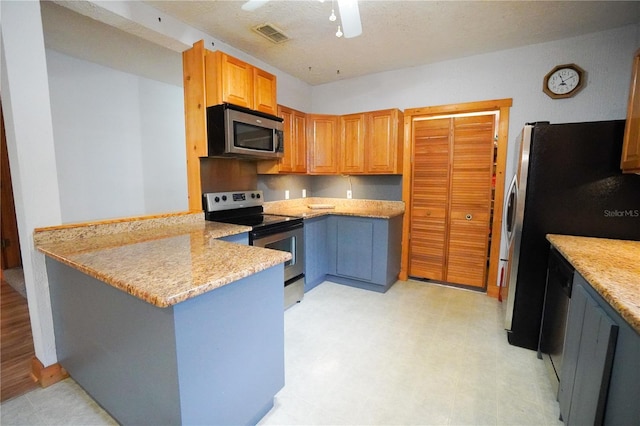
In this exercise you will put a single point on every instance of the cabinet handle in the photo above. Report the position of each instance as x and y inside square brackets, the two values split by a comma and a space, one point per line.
[468, 216]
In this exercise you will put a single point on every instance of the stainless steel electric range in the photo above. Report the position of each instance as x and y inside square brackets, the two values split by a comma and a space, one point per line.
[283, 233]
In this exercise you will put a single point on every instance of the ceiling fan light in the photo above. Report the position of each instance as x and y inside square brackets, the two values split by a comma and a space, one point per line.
[252, 5]
[350, 17]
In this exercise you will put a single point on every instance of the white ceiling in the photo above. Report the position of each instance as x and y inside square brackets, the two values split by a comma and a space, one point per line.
[395, 34]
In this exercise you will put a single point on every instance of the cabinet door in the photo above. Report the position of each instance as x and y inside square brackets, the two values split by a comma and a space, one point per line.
[384, 142]
[299, 160]
[429, 199]
[264, 91]
[286, 162]
[588, 356]
[470, 200]
[354, 251]
[323, 139]
[316, 251]
[237, 81]
[630, 162]
[352, 143]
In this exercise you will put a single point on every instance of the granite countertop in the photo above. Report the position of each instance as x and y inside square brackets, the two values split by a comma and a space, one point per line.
[612, 267]
[340, 206]
[162, 260]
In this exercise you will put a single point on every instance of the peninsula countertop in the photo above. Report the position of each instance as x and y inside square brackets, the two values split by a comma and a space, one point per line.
[162, 260]
[612, 267]
[314, 207]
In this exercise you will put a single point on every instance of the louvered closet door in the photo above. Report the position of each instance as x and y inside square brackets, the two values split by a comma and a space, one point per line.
[451, 199]
[429, 200]
[470, 199]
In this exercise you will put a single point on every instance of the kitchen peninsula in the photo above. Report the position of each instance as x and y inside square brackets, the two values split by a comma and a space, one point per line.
[168, 319]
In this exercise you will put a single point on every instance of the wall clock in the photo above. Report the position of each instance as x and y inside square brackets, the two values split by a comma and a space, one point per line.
[563, 81]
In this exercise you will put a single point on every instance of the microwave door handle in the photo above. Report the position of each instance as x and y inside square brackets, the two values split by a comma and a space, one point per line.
[280, 138]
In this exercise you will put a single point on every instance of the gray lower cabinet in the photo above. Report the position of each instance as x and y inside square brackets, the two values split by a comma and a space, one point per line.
[316, 251]
[600, 378]
[358, 251]
[355, 247]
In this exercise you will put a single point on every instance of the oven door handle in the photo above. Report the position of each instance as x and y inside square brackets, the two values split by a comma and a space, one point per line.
[287, 227]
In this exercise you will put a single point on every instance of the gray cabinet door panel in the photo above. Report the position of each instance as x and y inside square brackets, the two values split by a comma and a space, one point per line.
[589, 349]
[354, 254]
[572, 337]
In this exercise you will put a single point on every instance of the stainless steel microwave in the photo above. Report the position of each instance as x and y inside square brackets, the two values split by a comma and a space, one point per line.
[234, 131]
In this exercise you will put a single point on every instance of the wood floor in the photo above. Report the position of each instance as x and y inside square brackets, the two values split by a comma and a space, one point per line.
[16, 344]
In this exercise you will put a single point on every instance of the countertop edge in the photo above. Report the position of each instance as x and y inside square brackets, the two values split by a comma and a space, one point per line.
[164, 302]
[61, 244]
[628, 310]
[374, 209]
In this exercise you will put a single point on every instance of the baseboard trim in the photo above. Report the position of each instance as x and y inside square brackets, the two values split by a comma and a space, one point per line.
[47, 376]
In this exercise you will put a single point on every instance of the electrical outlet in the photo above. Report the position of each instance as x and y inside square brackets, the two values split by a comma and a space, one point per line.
[286, 194]
[349, 193]
[304, 193]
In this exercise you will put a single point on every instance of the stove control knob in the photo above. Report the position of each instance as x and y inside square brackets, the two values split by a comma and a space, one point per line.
[253, 195]
[224, 198]
[217, 199]
[258, 195]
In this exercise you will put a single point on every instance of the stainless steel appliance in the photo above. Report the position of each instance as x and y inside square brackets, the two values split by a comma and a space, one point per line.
[554, 314]
[284, 233]
[234, 131]
[569, 182]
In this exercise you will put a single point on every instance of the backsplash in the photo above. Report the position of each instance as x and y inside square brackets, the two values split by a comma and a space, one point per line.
[384, 187]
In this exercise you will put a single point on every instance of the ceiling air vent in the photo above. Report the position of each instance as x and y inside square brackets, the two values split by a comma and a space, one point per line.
[271, 32]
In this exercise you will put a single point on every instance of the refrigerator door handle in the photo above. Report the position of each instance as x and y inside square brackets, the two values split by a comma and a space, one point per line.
[512, 201]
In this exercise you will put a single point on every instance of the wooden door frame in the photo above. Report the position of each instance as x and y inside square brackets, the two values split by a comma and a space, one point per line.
[501, 105]
[11, 256]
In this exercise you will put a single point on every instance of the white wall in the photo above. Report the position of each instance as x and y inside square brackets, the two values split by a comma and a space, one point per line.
[119, 141]
[30, 145]
[514, 73]
[164, 160]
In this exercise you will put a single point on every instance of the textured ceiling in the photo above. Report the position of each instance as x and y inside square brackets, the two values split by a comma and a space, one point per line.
[396, 34]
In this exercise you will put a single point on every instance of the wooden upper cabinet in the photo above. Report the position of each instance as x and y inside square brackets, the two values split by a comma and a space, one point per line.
[294, 159]
[372, 142]
[384, 142]
[299, 163]
[264, 91]
[630, 162]
[229, 79]
[295, 140]
[323, 139]
[352, 143]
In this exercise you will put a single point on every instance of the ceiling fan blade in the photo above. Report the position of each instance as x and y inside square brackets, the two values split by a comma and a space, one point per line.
[252, 5]
[350, 17]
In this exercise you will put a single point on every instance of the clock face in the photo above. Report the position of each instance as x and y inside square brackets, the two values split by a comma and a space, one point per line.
[563, 81]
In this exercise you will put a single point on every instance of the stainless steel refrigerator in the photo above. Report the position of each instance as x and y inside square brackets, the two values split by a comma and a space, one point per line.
[568, 182]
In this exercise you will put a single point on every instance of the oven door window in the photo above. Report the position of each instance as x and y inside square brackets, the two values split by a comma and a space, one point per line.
[286, 244]
[252, 137]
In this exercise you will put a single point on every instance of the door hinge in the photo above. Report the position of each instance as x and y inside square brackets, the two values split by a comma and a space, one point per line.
[5, 243]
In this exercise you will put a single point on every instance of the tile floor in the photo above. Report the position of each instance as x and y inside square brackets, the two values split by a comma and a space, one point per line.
[419, 354]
